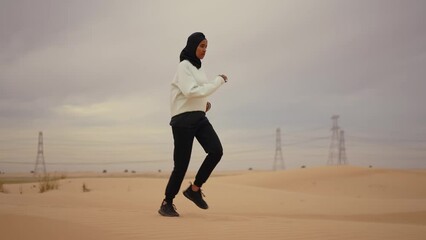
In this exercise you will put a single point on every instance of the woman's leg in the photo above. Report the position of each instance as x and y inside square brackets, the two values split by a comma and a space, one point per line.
[210, 142]
[183, 140]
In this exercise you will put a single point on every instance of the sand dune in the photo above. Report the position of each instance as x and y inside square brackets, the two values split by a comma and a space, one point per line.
[342, 181]
[317, 203]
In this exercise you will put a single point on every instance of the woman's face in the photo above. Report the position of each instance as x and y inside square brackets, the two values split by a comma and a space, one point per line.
[201, 49]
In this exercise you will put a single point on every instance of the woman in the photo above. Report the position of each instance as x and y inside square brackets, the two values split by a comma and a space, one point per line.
[190, 88]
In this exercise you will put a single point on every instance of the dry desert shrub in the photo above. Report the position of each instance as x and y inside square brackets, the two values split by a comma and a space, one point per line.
[85, 189]
[48, 183]
[2, 189]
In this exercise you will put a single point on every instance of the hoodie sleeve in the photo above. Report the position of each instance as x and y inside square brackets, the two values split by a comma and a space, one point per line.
[191, 88]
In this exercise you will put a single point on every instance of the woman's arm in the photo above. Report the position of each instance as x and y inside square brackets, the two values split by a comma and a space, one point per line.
[189, 86]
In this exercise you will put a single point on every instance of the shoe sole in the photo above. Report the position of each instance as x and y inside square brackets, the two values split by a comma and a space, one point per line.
[187, 196]
[166, 215]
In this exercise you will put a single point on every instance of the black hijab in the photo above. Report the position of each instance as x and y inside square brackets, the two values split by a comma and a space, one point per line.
[188, 53]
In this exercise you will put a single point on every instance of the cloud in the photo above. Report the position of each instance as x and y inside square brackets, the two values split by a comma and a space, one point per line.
[125, 110]
[94, 110]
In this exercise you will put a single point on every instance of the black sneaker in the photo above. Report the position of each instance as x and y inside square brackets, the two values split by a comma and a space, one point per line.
[168, 210]
[196, 197]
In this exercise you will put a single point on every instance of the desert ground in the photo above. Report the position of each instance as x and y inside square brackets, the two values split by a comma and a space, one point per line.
[335, 202]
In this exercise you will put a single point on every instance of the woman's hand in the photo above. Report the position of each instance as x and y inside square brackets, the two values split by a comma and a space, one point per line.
[208, 106]
[224, 77]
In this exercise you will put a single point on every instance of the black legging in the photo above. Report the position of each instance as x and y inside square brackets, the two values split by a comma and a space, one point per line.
[185, 127]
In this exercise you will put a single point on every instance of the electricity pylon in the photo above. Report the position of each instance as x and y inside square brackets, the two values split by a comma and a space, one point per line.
[337, 144]
[40, 165]
[278, 152]
[342, 149]
[334, 140]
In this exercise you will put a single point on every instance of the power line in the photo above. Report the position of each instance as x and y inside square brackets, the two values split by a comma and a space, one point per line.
[306, 141]
[310, 130]
[103, 148]
[378, 139]
[84, 163]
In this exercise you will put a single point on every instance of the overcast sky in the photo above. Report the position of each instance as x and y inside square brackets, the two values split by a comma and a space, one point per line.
[95, 76]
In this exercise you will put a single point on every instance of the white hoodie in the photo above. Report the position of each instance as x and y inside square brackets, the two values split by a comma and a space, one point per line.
[190, 88]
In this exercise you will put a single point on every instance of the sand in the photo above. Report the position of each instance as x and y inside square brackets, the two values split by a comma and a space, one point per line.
[313, 203]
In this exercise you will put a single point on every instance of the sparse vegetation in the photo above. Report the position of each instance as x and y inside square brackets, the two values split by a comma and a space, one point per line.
[85, 189]
[48, 183]
[104, 171]
[2, 190]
